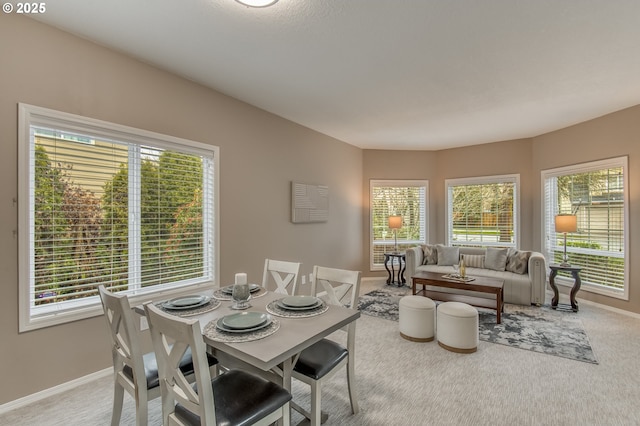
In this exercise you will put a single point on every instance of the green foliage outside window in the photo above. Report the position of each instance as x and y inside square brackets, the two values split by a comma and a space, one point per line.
[406, 201]
[483, 213]
[82, 239]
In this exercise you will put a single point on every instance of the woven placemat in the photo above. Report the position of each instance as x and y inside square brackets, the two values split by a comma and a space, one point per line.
[221, 295]
[274, 309]
[214, 333]
[213, 304]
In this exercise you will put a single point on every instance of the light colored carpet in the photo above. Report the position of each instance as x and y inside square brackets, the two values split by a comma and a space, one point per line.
[407, 383]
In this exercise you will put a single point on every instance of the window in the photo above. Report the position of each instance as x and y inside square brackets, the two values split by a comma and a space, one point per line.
[483, 211]
[107, 204]
[597, 194]
[405, 198]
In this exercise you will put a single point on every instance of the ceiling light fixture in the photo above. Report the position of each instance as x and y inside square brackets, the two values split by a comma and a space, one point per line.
[257, 3]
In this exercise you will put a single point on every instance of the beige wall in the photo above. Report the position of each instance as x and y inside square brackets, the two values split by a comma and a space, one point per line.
[498, 158]
[609, 136]
[260, 155]
[383, 164]
[613, 135]
[493, 159]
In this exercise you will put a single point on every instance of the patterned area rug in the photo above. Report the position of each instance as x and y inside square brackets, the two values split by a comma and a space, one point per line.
[536, 329]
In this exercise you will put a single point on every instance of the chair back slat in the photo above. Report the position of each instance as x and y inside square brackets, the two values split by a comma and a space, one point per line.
[283, 274]
[126, 350]
[336, 286]
[171, 337]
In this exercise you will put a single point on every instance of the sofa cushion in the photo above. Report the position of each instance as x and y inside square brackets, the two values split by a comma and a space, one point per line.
[429, 255]
[518, 261]
[473, 260]
[495, 259]
[447, 255]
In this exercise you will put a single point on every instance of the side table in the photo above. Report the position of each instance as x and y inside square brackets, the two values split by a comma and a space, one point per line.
[402, 264]
[575, 273]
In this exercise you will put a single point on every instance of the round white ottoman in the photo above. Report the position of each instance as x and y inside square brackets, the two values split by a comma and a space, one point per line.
[417, 318]
[457, 327]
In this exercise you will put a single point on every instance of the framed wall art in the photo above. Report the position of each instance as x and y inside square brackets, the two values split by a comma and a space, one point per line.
[309, 203]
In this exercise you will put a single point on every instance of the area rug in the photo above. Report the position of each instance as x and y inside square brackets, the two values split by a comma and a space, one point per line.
[538, 329]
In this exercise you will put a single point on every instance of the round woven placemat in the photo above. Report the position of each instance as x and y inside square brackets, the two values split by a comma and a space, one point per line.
[274, 309]
[214, 333]
[213, 304]
[221, 295]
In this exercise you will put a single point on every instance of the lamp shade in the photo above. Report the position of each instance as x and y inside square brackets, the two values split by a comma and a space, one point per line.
[395, 222]
[566, 223]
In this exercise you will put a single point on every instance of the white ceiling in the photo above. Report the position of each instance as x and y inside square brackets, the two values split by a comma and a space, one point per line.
[389, 74]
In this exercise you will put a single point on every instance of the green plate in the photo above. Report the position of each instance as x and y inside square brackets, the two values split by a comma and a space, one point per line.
[186, 302]
[244, 320]
[229, 289]
[301, 308]
[300, 301]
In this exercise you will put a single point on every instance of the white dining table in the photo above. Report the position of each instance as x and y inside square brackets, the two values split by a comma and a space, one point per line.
[274, 356]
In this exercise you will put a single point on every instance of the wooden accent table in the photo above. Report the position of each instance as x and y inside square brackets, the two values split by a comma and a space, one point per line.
[479, 285]
[402, 264]
[575, 273]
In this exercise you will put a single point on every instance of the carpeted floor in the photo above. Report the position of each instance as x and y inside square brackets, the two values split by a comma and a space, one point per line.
[538, 329]
[399, 382]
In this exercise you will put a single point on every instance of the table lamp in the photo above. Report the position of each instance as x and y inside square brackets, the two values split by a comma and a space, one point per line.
[566, 223]
[395, 223]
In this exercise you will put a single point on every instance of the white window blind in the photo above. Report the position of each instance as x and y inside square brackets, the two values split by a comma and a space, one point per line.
[408, 199]
[483, 211]
[131, 210]
[596, 193]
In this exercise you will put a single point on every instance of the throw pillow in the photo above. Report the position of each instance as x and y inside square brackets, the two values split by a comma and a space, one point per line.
[518, 261]
[429, 255]
[495, 259]
[473, 260]
[447, 256]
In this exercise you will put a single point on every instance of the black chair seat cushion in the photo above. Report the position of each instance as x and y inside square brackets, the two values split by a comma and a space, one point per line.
[151, 367]
[240, 399]
[320, 358]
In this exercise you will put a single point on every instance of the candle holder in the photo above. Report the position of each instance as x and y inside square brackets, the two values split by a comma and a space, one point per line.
[241, 295]
[241, 292]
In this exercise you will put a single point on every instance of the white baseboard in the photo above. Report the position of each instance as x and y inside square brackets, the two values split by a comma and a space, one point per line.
[609, 308]
[47, 393]
[374, 279]
[565, 299]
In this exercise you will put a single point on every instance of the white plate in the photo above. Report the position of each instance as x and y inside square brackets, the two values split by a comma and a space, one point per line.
[229, 289]
[244, 320]
[300, 301]
[186, 302]
[301, 308]
[221, 326]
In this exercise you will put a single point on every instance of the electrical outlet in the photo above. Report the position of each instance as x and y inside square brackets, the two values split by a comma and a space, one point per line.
[303, 282]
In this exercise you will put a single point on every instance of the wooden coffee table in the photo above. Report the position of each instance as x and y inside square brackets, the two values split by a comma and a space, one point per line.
[435, 280]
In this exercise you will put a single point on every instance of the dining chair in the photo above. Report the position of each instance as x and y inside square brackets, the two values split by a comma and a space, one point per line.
[134, 371]
[233, 398]
[322, 359]
[281, 273]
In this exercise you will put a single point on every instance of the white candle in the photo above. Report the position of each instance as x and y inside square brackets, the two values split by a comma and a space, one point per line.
[241, 278]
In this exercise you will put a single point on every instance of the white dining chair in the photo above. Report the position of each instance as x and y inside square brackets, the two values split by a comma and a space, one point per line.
[233, 398]
[134, 371]
[322, 359]
[280, 276]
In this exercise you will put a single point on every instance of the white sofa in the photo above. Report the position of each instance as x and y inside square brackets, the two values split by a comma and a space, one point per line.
[521, 289]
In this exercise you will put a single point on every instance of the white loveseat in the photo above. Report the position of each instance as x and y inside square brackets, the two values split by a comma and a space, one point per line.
[523, 288]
